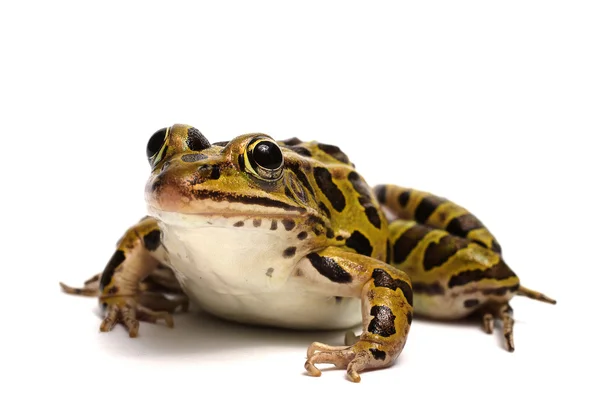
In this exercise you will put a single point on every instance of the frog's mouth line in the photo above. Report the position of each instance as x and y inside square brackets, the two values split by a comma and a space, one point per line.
[207, 218]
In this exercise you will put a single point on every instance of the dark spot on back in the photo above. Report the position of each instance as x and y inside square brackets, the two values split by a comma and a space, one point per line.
[461, 226]
[193, 157]
[152, 240]
[499, 271]
[289, 252]
[382, 323]
[403, 198]
[409, 317]
[292, 141]
[436, 254]
[273, 225]
[330, 269]
[238, 224]
[196, 141]
[329, 188]
[407, 242]
[360, 243]
[269, 272]
[373, 216]
[338, 299]
[301, 150]
[426, 207]
[334, 152]
[117, 259]
[365, 198]
[382, 279]
[257, 222]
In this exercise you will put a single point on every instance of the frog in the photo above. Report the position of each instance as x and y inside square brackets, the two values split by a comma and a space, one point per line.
[287, 233]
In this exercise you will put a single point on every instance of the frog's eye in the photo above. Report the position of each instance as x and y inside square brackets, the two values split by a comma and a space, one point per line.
[155, 145]
[265, 158]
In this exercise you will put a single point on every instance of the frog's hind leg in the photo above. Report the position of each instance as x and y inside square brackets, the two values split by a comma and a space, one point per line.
[436, 212]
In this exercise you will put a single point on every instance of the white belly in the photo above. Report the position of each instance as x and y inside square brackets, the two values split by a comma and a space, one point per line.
[240, 274]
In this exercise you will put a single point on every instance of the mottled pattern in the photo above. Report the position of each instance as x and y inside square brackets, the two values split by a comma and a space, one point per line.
[360, 243]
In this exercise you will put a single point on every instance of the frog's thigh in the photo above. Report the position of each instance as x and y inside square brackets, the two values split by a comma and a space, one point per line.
[386, 297]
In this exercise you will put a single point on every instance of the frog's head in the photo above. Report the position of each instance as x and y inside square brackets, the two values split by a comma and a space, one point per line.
[251, 175]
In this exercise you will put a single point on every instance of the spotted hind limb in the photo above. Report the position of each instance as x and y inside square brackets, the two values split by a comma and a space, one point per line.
[386, 297]
[133, 284]
[435, 212]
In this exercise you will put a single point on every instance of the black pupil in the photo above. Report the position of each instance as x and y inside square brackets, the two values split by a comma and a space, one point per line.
[267, 155]
[155, 142]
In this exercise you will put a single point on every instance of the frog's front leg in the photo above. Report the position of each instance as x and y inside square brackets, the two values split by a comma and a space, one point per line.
[386, 297]
[132, 284]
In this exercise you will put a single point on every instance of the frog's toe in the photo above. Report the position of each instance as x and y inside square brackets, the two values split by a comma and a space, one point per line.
[356, 358]
[90, 287]
[502, 312]
[488, 323]
[126, 311]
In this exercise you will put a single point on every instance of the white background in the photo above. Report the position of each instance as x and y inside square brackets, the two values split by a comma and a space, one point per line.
[494, 105]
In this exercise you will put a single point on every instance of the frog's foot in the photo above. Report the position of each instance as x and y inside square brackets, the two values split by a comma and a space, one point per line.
[358, 357]
[90, 287]
[502, 312]
[128, 312]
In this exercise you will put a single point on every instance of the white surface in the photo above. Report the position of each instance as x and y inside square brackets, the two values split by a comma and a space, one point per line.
[492, 105]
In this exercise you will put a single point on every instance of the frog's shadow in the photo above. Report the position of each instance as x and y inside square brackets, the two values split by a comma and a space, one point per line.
[199, 332]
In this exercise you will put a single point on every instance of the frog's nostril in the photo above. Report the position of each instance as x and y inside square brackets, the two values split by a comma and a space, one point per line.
[209, 171]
